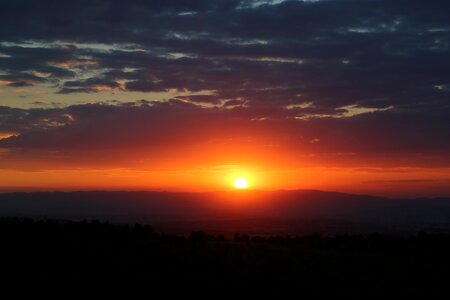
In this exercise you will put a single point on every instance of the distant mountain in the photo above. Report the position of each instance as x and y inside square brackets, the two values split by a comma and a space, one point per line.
[262, 211]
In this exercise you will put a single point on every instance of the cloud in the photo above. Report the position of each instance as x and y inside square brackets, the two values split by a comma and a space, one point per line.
[154, 129]
[19, 121]
[364, 77]
[367, 53]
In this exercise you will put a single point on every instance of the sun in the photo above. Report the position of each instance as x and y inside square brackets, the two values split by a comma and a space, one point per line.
[241, 183]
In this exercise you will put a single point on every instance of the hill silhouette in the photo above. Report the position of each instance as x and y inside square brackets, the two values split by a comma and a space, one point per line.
[256, 212]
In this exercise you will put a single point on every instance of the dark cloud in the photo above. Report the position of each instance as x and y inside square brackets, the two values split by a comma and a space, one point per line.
[337, 71]
[90, 85]
[26, 66]
[386, 138]
[205, 99]
[15, 120]
[336, 53]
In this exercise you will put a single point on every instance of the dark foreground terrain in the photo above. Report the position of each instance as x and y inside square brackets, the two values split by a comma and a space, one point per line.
[96, 254]
[297, 212]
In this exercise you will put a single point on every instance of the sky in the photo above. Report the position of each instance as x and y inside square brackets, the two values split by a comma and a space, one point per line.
[346, 95]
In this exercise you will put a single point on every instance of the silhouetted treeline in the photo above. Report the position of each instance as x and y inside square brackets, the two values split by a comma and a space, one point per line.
[313, 266]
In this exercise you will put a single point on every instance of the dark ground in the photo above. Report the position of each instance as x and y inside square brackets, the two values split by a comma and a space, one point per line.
[102, 255]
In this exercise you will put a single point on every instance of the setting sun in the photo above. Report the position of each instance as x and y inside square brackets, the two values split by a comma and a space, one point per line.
[240, 183]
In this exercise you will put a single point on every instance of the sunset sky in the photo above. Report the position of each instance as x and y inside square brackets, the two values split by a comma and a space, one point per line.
[343, 95]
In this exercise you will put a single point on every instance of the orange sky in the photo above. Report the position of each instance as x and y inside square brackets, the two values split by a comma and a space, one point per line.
[187, 96]
[209, 158]
[197, 154]
[408, 182]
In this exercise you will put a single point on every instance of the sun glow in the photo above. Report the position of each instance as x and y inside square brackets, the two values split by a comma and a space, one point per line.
[241, 183]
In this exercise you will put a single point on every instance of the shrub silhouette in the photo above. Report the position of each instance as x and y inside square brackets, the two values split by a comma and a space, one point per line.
[313, 266]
